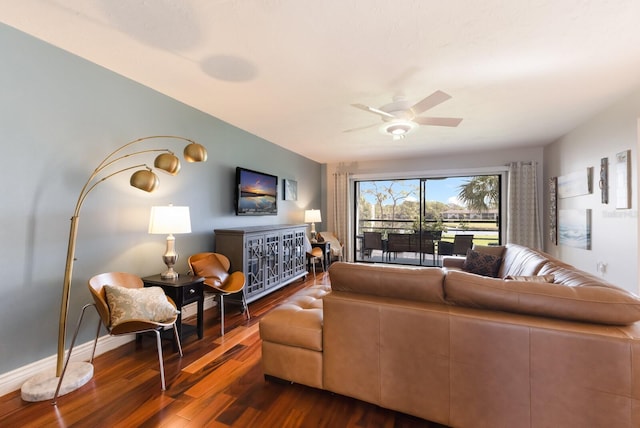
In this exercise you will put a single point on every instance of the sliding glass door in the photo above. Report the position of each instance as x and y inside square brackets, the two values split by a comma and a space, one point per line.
[416, 221]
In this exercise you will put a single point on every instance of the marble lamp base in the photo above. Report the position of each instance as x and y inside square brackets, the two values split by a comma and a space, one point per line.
[43, 386]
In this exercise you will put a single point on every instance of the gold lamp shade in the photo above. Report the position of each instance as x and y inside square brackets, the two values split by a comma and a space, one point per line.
[195, 152]
[145, 180]
[168, 162]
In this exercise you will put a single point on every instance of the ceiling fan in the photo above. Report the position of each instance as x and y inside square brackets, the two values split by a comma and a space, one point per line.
[400, 117]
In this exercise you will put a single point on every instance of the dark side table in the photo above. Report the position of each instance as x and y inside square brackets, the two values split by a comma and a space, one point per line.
[325, 246]
[183, 290]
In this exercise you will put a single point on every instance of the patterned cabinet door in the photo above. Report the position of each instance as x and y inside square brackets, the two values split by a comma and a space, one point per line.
[299, 255]
[288, 253]
[272, 259]
[255, 266]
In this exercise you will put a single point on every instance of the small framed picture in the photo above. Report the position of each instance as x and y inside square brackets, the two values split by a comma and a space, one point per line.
[290, 192]
[623, 180]
[553, 210]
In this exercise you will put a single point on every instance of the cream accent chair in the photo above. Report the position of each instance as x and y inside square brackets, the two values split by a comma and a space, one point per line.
[335, 245]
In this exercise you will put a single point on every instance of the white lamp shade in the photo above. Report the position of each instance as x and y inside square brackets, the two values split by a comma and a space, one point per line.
[169, 220]
[312, 216]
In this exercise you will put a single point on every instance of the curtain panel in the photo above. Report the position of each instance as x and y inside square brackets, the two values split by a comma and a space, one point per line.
[523, 221]
[341, 213]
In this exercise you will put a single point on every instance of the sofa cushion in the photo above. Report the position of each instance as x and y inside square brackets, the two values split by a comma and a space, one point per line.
[531, 278]
[421, 284]
[493, 250]
[570, 276]
[596, 304]
[521, 261]
[482, 264]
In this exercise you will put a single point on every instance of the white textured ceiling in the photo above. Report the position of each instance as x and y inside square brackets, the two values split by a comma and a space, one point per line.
[521, 72]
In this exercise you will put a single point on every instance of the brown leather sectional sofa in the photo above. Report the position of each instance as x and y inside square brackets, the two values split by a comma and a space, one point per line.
[466, 350]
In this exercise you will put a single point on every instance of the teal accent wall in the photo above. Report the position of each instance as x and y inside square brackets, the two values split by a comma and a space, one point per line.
[60, 116]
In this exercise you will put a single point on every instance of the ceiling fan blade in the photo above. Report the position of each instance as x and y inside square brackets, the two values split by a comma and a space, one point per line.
[373, 110]
[361, 128]
[438, 121]
[431, 101]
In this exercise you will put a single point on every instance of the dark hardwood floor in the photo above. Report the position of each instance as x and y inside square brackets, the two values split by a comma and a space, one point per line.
[217, 383]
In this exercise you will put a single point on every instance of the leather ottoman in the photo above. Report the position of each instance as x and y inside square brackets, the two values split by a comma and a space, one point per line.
[292, 338]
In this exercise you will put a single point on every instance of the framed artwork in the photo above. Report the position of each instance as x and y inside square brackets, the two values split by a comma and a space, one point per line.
[623, 180]
[604, 180]
[574, 228]
[575, 184]
[290, 190]
[553, 210]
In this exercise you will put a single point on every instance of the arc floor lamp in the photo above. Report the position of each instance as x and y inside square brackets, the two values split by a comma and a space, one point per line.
[43, 386]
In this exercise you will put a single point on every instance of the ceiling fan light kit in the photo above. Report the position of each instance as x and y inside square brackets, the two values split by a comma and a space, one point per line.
[398, 128]
[401, 117]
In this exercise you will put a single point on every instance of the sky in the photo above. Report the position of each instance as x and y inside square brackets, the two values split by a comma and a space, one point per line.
[443, 190]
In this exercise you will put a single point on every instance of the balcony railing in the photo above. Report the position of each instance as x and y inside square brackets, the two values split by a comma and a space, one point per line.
[483, 234]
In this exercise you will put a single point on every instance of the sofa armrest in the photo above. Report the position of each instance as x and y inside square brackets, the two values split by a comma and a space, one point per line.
[453, 262]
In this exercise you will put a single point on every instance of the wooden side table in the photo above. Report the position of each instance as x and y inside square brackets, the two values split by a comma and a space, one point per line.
[183, 290]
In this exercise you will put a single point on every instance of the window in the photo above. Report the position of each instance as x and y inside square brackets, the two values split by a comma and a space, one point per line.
[415, 221]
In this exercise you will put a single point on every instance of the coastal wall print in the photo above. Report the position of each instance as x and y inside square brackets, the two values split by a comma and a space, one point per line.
[623, 180]
[290, 190]
[574, 228]
[553, 209]
[575, 184]
[604, 180]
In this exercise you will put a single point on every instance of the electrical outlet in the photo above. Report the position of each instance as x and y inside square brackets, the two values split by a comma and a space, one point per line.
[601, 267]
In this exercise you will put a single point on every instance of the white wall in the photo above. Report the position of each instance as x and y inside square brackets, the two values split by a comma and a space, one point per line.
[614, 236]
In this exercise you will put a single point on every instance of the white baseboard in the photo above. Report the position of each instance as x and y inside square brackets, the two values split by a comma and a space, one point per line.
[13, 380]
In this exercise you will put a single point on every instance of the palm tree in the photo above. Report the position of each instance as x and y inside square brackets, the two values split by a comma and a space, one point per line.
[480, 193]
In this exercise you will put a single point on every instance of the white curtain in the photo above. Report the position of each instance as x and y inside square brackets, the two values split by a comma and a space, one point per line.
[341, 213]
[523, 222]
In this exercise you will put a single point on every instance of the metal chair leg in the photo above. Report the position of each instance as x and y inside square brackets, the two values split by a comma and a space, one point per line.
[222, 314]
[246, 306]
[95, 342]
[177, 337]
[73, 342]
[313, 266]
[159, 344]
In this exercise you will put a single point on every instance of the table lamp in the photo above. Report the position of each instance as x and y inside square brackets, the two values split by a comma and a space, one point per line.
[313, 217]
[169, 220]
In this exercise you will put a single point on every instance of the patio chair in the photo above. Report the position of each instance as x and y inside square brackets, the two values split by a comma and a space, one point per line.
[372, 241]
[459, 247]
[428, 240]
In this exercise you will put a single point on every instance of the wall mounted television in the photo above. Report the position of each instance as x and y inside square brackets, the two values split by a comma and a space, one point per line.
[256, 193]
